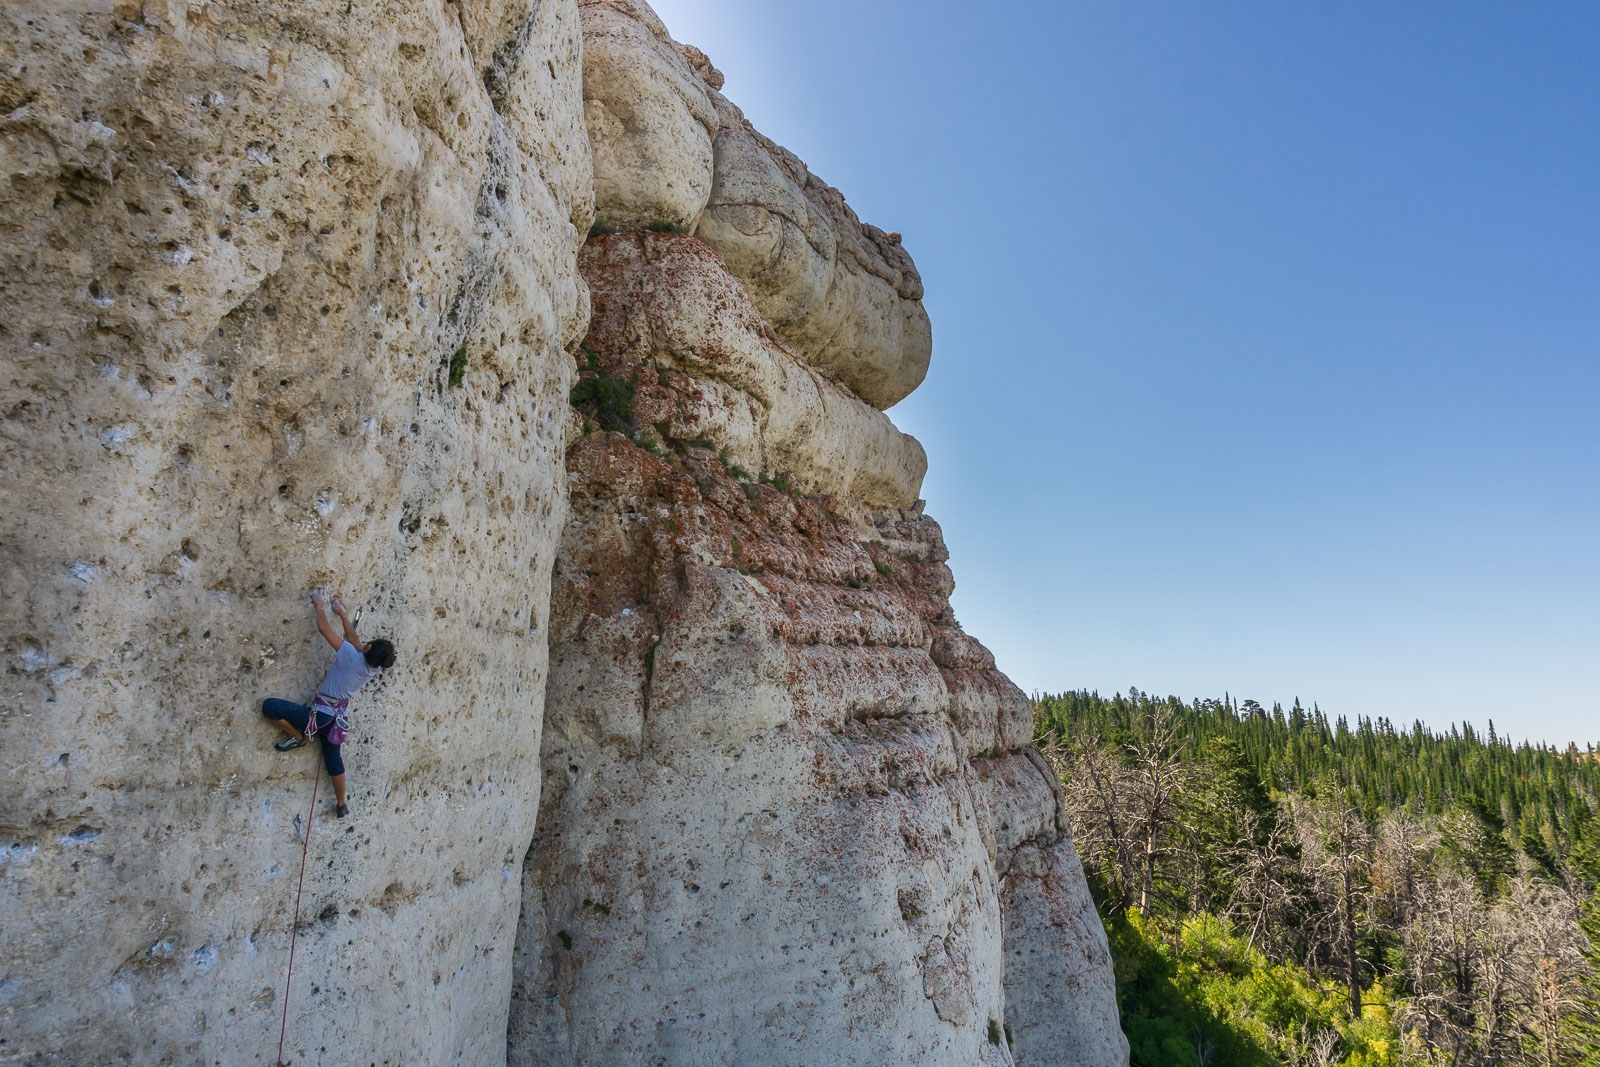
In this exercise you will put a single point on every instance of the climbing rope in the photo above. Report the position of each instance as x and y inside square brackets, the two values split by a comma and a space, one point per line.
[294, 931]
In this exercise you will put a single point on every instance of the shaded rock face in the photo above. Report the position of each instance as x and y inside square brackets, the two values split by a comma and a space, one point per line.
[1060, 995]
[243, 243]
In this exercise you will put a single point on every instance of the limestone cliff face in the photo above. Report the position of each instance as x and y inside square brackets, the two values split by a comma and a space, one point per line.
[293, 296]
[242, 243]
[790, 810]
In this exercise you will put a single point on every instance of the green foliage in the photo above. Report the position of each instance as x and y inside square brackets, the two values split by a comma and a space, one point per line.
[1475, 839]
[883, 568]
[1165, 1013]
[1585, 855]
[607, 399]
[566, 939]
[733, 470]
[1582, 1026]
[1204, 997]
[663, 226]
[599, 228]
[1536, 791]
[458, 368]
[1279, 887]
[1230, 807]
[777, 481]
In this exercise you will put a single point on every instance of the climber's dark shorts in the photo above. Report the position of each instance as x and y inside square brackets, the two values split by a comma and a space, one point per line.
[298, 715]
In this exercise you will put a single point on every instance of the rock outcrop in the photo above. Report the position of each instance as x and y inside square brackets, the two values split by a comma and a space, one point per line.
[844, 294]
[244, 245]
[675, 308]
[790, 811]
[686, 759]
[672, 153]
[650, 119]
[786, 799]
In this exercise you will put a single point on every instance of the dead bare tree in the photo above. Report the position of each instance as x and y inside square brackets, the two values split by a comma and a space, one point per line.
[1095, 794]
[1338, 842]
[1489, 979]
[1404, 849]
[1455, 971]
[1269, 885]
[1158, 777]
[1322, 1049]
[1545, 967]
[1123, 801]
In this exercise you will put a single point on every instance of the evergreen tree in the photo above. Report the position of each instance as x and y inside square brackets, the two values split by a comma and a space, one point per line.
[1583, 1024]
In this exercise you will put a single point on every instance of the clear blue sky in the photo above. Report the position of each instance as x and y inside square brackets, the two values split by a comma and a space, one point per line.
[1266, 335]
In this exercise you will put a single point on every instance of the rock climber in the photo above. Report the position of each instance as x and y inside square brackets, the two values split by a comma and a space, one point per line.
[328, 717]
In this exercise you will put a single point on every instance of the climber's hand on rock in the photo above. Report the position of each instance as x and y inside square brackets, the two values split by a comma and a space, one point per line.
[317, 599]
[339, 608]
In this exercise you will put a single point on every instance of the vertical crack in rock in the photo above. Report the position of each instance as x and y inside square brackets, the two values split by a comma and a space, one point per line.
[481, 272]
[507, 58]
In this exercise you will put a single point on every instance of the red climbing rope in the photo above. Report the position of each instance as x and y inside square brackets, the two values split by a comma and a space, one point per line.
[294, 931]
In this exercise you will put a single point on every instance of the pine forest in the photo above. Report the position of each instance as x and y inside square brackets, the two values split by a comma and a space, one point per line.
[1280, 887]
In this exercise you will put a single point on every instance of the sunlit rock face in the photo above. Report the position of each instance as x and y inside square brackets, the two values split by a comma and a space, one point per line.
[244, 242]
[845, 294]
[672, 153]
[790, 811]
[650, 117]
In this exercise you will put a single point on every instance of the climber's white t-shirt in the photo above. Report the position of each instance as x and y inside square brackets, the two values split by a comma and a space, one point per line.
[348, 673]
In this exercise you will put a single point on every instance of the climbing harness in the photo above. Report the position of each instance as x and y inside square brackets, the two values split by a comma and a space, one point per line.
[337, 711]
[294, 931]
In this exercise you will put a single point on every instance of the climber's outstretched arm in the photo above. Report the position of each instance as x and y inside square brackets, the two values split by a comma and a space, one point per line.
[349, 627]
[324, 625]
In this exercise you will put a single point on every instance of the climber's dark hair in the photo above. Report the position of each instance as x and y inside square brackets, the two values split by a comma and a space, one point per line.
[380, 653]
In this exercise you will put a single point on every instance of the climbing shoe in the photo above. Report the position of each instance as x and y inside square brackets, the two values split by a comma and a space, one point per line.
[289, 744]
[341, 810]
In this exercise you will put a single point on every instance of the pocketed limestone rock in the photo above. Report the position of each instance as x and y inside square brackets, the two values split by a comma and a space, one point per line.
[843, 293]
[650, 119]
[1060, 1004]
[527, 52]
[784, 793]
[990, 712]
[666, 302]
[286, 294]
[792, 867]
[1016, 805]
[291, 298]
